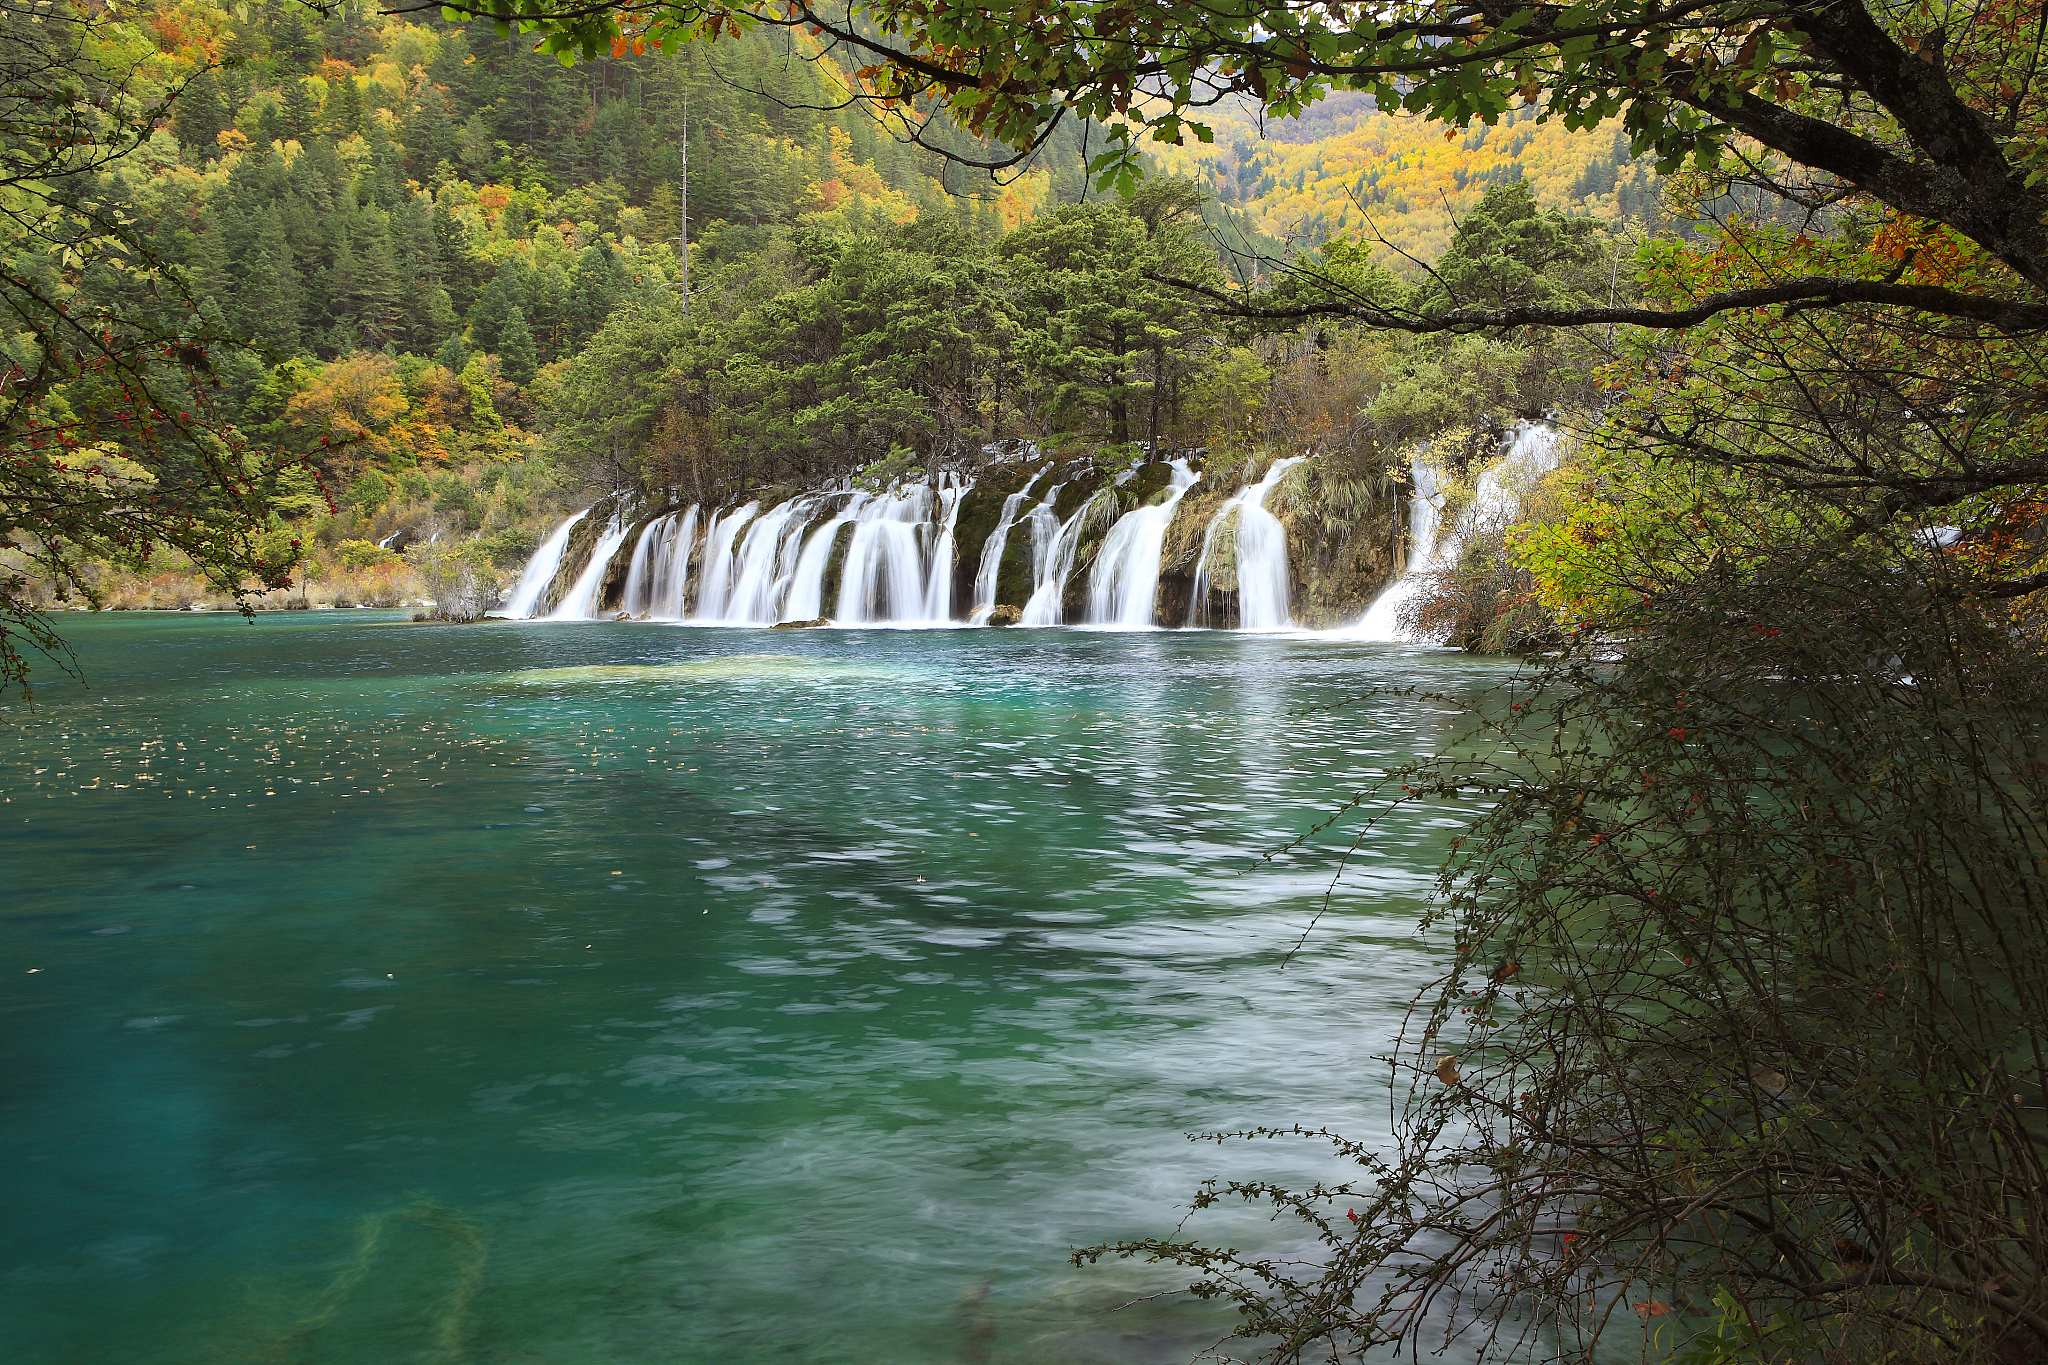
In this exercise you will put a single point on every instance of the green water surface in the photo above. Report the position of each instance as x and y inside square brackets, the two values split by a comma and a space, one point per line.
[626, 993]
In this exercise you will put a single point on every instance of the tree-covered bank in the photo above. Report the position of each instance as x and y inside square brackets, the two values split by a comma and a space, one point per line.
[401, 239]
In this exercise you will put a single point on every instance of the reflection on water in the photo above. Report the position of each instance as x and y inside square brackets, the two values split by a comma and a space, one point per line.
[626, 993]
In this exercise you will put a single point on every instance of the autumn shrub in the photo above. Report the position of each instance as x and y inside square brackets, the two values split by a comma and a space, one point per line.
[363, 554]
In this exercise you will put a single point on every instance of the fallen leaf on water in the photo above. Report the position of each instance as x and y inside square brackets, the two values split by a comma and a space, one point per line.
[1652, 1309]
[1447, 1070]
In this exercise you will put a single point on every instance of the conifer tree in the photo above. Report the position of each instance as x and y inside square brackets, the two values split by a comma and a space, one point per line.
[375, 292]
[202, 114]
[516, 355]
[344, 109]
[300, 116]
[269, 294]
[429, 135]
[599, 283]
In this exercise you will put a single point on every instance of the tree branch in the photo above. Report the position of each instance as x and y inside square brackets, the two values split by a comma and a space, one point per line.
[1815, 291]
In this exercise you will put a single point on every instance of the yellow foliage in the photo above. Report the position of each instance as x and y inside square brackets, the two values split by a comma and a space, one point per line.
[1396, 177]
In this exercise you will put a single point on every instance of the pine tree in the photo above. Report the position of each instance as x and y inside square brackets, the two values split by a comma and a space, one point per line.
[599, 283]
[504, 296]
[516, 355]
[429, 135]
[300, 115]
[429, 313]
[386, 183]
[344, 109]
[293, 44]
[459, 272]
[376, 291]
[202, 114]
[269, 295]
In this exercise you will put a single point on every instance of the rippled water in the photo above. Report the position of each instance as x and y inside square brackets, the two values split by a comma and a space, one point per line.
[622, 993]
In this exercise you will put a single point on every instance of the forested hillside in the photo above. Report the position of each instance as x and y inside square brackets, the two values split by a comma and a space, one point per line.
[460, 266]
[1347, 170]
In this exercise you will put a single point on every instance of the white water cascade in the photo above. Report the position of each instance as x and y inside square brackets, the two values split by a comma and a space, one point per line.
[716, 583]
[580, 602]
[540, 570]
[633, 598]
[1264, 594]
[1045, 529]
[1123, 587]
[992, 552]
[938, 579]
[658, 574]
[671, 570]
[883, 577]
[807, 588]
[1052, 564]
[767, 560]
[1532, 451]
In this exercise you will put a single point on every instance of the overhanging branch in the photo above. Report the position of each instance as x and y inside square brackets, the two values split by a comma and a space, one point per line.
[1819, 291]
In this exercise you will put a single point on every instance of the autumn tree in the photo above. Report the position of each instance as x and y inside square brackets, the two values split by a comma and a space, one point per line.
[115, 442]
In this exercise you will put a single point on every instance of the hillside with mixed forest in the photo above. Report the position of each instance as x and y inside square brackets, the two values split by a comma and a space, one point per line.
[460, 266]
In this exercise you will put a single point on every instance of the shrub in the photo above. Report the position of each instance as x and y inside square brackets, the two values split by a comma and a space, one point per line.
[363, 554]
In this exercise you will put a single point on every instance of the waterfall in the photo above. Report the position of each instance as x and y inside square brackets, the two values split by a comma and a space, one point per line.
[540, 570]
[992, 551]
[938, 581]
[883, 578]
[807, 586]
[1053, 563]
[717, 578]
[657, 573]
[633, 598]
[1264, 595]
[580, 602]
[1124, 584]
[1045, 529]
[1533, 450]
[767, 559]
[670, 571]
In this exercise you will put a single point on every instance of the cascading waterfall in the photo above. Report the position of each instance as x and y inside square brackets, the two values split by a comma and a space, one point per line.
[1533, 450]
[658, 573]
[540, 570]
[1052, 565]
[807, 586]
[1045, 529]
[938, 580]
[1264, 593]
[883, 579]
[767, 559]
[580, 602]
[893, 555]
[633, 597]
[670, 572]
[1124, 584]
[992, 552]
[713, 588]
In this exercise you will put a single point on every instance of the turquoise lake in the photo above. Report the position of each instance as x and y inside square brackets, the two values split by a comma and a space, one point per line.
[584, 994]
